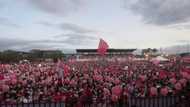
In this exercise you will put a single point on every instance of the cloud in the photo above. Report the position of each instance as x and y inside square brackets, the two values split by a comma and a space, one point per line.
[74, 28]
[70, 41]
[161, 12]
[58, 7]
[6, 22]
[74, 39]
[25, 45]
[183, 41]
[181, 26]
[2, 4]
[177, 49]
[74, 35]
[78, 39]
[45, 23]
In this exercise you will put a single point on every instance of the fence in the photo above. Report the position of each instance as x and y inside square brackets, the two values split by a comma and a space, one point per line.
[169, 101]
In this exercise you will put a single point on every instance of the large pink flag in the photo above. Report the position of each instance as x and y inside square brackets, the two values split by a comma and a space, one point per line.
[102, 47]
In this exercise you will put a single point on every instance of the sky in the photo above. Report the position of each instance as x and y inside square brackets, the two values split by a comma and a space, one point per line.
[71, 24]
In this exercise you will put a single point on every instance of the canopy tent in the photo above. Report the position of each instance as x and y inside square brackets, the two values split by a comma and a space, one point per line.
[159, 59]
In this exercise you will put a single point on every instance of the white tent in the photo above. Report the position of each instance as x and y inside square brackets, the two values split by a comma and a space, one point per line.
[160, 58]
[137, 52]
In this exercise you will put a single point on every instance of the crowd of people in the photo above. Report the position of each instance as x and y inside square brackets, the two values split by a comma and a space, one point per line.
[97, 81]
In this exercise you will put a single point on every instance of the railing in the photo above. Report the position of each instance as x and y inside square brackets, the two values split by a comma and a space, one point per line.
[169, 101]
[35, 104]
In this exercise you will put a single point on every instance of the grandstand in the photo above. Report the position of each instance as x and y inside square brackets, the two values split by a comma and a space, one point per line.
[109, 51]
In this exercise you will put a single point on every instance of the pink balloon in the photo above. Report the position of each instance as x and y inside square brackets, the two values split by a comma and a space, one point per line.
[153, 91]
[178, 86]
[117, 90]
[164, 91]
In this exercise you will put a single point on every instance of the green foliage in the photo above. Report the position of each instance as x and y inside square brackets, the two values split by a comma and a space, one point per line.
[10, 56]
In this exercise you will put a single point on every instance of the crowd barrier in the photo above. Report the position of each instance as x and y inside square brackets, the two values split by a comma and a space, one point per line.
[169, 101]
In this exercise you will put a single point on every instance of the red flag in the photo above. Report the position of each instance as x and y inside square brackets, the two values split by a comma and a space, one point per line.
[102, 48]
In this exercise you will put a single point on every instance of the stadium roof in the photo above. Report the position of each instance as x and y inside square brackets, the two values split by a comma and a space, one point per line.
[109, 50]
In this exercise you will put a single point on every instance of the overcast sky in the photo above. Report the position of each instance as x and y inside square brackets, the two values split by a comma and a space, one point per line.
[70, 24]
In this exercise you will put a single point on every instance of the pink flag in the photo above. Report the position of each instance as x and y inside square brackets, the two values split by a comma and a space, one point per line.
[103, 46]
